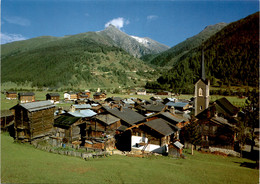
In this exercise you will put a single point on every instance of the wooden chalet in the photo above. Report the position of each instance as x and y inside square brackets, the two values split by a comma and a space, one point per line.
[33, 120]
[69, 128]
[151, 136]
[26, 97]
[97, 108]
[54, 97]
[83, 95]
[127, 116]
[70, 96]
[216, 129]
[10, 95]
[99, 96]
[102, 124]
[151, 108]
[176, 120]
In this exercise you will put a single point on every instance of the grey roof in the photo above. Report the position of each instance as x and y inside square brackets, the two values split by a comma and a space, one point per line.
[154, 108]
[36, 106]
[65, 121]
[98, 93]
[83, 113]
[82, 106]
[227, 106]
[107, 118]
[128, 101]
[160, 126]
[175, 118]
[6, 113]
[11, 92]
[220, 120]
[127, 115]
[177, 104]
[178, 144]
[122, 128]
[26, 94]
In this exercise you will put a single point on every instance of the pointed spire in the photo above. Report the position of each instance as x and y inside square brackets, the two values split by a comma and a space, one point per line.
[203, 75]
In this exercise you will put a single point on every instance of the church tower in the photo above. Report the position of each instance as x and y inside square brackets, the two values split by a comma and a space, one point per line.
[202, 90]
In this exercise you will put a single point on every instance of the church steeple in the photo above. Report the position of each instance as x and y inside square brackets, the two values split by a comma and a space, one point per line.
[202, 89]
[203, 75]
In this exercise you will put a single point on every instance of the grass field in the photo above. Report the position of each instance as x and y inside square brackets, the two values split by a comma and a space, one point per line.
[40, 95]
[21, 163]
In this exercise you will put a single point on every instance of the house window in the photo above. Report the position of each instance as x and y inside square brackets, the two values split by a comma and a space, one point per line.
[200, 92]
[200, 107]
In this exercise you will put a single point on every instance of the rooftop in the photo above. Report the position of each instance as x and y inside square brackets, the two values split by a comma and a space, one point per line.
[160, 126]
[36, 106]
[127, 115]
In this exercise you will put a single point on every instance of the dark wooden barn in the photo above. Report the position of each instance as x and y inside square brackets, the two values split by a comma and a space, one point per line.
[103, 124]
[69, 128]
[33, 120]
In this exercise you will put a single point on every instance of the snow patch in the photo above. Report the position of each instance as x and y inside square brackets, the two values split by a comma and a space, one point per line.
[142, 40]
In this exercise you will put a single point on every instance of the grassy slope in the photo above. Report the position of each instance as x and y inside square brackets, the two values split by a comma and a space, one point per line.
[24, 164]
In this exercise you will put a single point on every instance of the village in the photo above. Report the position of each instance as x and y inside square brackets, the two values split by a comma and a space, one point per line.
[132, 125]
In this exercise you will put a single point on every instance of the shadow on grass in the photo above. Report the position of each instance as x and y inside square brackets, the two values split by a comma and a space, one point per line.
[248, 165]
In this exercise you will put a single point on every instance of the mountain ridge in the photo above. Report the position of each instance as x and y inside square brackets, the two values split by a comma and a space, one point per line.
[131, 44]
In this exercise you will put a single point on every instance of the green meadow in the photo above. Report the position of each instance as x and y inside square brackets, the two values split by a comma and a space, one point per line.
[22, 163]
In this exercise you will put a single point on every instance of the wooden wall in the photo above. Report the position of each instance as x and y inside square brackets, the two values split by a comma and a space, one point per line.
[30, 125]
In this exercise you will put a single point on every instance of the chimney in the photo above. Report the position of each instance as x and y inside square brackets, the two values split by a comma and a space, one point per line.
[59, 110]
[72, 108]
[172, 110]
[121, 108]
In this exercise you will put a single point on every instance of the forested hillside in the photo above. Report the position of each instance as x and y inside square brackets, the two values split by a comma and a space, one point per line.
[231, 57]
[169, 57]
[78, 60]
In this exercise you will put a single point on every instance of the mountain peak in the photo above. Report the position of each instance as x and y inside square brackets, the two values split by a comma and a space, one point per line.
[112, 27]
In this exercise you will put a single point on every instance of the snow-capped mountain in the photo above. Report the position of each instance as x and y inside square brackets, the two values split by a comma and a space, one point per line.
[134, 45]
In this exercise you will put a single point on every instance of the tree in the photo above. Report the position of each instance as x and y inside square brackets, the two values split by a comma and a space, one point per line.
[192, 133]
[249, 121]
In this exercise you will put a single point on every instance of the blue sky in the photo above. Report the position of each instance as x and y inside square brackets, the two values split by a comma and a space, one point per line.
[168, 22]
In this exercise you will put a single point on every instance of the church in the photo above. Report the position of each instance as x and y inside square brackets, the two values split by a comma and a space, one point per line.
[202, 97]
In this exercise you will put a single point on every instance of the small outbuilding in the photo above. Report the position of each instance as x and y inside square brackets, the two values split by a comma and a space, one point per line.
[175, 149]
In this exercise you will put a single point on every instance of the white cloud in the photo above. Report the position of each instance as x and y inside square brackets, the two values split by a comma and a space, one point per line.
[17, 20]
[118, 22]
[7, 38]
[151, 17]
